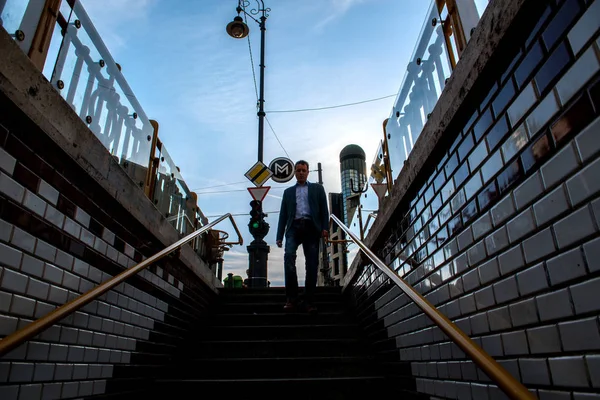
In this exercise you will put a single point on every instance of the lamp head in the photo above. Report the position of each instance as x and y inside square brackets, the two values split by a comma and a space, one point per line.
[237, 29]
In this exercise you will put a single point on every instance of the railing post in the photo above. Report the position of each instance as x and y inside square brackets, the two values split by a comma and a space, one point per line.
[467, 16]
[386, 158]
[43, 34]
[150, 181]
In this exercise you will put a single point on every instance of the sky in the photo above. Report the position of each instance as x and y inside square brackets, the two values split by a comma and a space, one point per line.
[198, 83]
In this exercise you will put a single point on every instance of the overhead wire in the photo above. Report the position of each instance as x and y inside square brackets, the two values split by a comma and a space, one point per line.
[216, 186]
[240, 214]
[330, 107]
[237, 190]
[276, 137]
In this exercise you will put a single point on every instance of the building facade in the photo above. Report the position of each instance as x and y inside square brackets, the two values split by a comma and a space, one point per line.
[353, 172]
[344, 205]
[337, 256]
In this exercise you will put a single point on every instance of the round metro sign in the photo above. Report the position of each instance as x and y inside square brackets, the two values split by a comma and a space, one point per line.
[282, 168]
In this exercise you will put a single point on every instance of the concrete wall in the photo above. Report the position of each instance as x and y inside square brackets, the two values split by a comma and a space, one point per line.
[496, 217]
[70, 218]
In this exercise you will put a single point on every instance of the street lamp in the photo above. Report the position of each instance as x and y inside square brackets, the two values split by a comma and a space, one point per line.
[258, 250]
[238, 29]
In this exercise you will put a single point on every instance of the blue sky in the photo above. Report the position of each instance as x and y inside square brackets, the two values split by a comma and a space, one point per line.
[197, 82]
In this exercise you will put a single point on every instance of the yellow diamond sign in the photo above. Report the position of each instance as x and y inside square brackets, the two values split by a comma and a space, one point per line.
[259, 174]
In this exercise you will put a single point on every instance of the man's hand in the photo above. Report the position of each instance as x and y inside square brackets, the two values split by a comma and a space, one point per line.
[279, 243]
[325, 234]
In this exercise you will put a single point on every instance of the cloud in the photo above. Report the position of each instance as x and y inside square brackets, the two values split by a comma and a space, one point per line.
[337, 9]
[109, 16]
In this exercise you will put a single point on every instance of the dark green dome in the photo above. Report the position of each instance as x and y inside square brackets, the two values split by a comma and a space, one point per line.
[352, 151]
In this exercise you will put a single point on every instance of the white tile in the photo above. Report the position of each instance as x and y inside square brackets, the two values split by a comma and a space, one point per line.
[72, 227]
[583, 69]
[22, 306]
[9, 324]
[542, 113]
[23, 240]
[34, 203]
[129, 250]
[122, 259]
[5, 231]
[81, 268]
[515, 142]
[108, 236]
[107, 371]
[522, 104]
[87, 237]
[38, 289]
[585, 28]
[11, 188]
[588, 141]
[14, 281]
[82, 217]
[112, 253]
[7, 162]
[32, 266]
[53, 274]
[100, 245]
[45, 251]
[54, 216]
[64, 260]
[48, 192]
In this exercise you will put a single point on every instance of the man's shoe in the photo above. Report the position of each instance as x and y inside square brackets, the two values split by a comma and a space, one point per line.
[311, 309]
[289, 306]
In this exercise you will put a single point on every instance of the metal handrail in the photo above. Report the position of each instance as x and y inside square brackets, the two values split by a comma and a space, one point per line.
[505, 381]
[15, 339]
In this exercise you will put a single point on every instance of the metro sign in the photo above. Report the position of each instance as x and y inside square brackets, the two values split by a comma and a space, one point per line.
[283, 169]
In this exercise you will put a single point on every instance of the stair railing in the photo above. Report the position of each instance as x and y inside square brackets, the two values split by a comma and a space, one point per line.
[505, 381]
[15, 339]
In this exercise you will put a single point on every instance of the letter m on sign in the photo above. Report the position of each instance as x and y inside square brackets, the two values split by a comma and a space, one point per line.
[282, 170]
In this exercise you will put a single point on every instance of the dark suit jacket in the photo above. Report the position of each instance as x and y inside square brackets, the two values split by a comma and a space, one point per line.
[317, 200]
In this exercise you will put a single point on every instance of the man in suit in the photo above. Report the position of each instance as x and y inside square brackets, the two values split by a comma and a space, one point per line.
[304, 218]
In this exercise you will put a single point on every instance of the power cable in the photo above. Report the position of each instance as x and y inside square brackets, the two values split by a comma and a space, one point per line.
[330, 107]
[240, 215]
[216, 186]
[237, 190]
[276, 137]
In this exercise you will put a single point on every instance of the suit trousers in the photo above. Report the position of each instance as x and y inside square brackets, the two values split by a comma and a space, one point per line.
[302, 232]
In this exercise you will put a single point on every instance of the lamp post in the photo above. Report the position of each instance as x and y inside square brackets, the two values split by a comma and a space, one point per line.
[258, 250]
[238, 29]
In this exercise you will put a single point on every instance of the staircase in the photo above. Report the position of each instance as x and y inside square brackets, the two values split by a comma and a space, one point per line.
[250, 348]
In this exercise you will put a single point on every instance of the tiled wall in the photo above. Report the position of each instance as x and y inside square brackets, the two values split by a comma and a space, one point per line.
[503, 235]
[61, 234]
